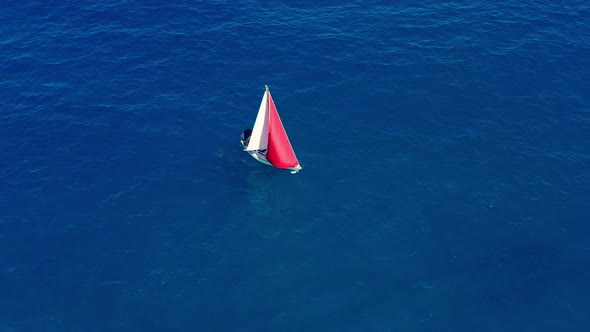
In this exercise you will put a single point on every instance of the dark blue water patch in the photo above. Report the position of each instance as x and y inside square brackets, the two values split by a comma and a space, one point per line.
[445, 180]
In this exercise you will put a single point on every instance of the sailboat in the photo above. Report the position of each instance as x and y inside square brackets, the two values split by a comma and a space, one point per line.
[268, 142]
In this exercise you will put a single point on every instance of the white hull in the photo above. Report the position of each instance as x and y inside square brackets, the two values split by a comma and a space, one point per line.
[261, 157]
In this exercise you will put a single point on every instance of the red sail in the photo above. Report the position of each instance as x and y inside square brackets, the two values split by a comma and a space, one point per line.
[279, 151]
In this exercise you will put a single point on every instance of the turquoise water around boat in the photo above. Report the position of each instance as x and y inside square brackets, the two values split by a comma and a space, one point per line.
[445, 153]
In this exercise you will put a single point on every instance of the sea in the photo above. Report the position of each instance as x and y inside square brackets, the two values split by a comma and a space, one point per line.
[445, 148]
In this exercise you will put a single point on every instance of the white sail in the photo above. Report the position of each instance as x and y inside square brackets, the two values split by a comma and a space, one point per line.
[259, 138]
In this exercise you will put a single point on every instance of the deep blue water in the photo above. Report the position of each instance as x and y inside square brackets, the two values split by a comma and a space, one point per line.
[446, 154]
